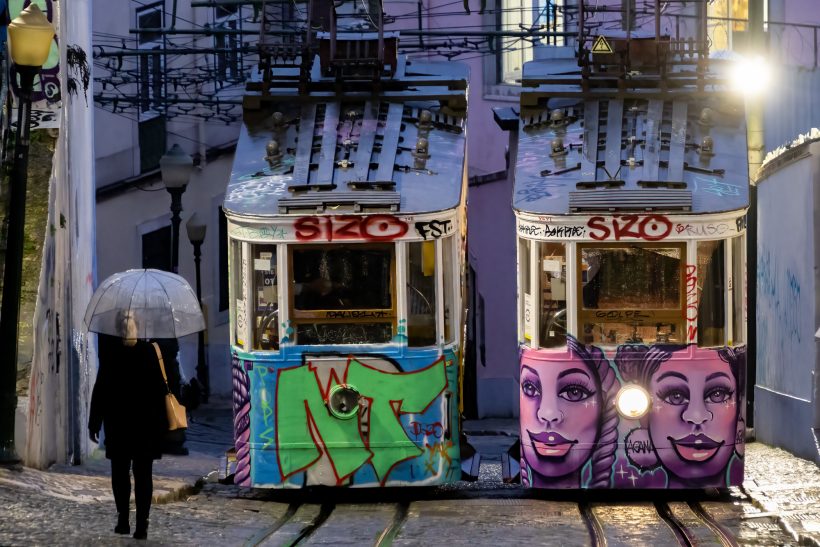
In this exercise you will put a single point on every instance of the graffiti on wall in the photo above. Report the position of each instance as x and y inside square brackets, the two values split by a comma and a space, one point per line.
[692, 436]
[399, 430]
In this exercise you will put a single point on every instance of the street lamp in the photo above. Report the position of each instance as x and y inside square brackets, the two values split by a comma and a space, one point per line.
[196, 235]
[176, 167]
[30, 38]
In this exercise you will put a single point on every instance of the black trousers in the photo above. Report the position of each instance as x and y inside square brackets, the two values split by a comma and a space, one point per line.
[143, 484]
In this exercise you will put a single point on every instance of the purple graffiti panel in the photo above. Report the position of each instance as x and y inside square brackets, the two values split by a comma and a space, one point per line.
[691, 436]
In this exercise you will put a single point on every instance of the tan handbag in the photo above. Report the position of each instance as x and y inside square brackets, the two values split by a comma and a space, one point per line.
[177, 417]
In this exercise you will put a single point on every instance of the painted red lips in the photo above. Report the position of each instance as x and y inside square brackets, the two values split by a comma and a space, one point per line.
[549, 444]
[696, 448]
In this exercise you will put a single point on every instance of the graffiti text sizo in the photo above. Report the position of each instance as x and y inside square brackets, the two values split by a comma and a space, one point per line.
[347, 227]
[648, 227]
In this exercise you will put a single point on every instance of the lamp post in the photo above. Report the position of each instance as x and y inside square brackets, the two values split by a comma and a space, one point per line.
[196, 235]
[30, 38]
[176, 167]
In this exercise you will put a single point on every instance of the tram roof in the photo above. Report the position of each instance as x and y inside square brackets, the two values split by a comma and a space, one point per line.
[373, 159]
[642, 148]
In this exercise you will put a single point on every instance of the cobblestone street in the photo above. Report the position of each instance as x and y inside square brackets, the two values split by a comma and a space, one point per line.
[73, 506]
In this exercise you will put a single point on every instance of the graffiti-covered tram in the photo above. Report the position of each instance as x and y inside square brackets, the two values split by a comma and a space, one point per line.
[346, 232]
[630, 203]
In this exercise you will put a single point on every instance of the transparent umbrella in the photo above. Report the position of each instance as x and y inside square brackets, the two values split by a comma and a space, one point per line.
[162, 304]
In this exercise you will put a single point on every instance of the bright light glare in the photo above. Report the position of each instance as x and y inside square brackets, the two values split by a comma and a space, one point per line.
[750, 76]
[632, 401]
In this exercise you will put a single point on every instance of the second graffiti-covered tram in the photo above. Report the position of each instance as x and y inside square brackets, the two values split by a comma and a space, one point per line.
[346, 222]
[630, 202]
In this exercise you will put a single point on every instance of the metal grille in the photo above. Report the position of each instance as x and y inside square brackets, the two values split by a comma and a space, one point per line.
[630, 200]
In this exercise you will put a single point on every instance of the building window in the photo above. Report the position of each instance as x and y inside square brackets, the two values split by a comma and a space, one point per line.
[225, 10]
[156, 249]
[151, 65]
[724, 20]
[152, 142]
[524, 16]
[228, 59]
[149, 17]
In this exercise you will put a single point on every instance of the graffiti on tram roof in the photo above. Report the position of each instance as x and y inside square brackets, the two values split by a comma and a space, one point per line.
[552, 231]
[434, 229]
[350, 227]
[706, 229]
[712, 185]
[266, 233]
[646, 227]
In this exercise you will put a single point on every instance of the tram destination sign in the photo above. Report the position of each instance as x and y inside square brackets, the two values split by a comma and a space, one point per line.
[631, 227]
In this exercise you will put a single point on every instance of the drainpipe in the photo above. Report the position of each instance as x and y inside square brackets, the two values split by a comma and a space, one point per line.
[756, 150]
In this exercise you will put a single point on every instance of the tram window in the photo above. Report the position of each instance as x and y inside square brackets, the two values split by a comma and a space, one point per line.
[343, 294]
[450, 314]
[738, 291]
[711, 304]
[525, 288]
[266, 298]
[631, 293]
[238, 291]
[421, 293]
[553, 279]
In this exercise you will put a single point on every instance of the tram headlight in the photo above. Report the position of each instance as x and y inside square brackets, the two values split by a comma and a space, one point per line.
[632, 401]
[343, 401]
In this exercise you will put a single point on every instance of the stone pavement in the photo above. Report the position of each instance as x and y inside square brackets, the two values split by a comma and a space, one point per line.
[209, 435]
[779, 484]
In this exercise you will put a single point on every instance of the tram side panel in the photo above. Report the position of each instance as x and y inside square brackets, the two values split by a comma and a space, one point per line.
[573, 436]
[405, 434]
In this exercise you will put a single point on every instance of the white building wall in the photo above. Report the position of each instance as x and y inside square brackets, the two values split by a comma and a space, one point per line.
[788, 314]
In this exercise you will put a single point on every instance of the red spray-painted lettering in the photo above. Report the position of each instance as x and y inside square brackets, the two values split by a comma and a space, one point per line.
[649, 227]
[347, 227]
[692, 301]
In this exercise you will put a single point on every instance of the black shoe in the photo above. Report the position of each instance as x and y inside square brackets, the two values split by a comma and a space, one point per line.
[122, 526]
[142, 530]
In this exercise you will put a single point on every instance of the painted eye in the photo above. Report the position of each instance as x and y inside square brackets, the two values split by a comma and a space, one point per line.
[718, 395]
[675, 397]
[575, 393]
[530, 389]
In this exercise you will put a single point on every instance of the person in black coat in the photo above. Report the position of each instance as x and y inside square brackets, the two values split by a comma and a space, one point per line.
[128, 401]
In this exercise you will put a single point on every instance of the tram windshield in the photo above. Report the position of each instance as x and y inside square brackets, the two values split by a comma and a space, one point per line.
[343, 294]
[631, 293]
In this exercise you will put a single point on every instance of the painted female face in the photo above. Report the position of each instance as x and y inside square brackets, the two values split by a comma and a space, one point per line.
[693, 419]
[560, 407]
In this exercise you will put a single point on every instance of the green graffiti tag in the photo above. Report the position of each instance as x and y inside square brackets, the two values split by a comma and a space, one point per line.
[302, 413]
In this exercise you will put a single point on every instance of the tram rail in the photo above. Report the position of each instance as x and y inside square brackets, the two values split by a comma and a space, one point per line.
[609, 524]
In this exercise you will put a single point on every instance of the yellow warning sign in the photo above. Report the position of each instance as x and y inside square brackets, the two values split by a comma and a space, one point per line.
[600, 45]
